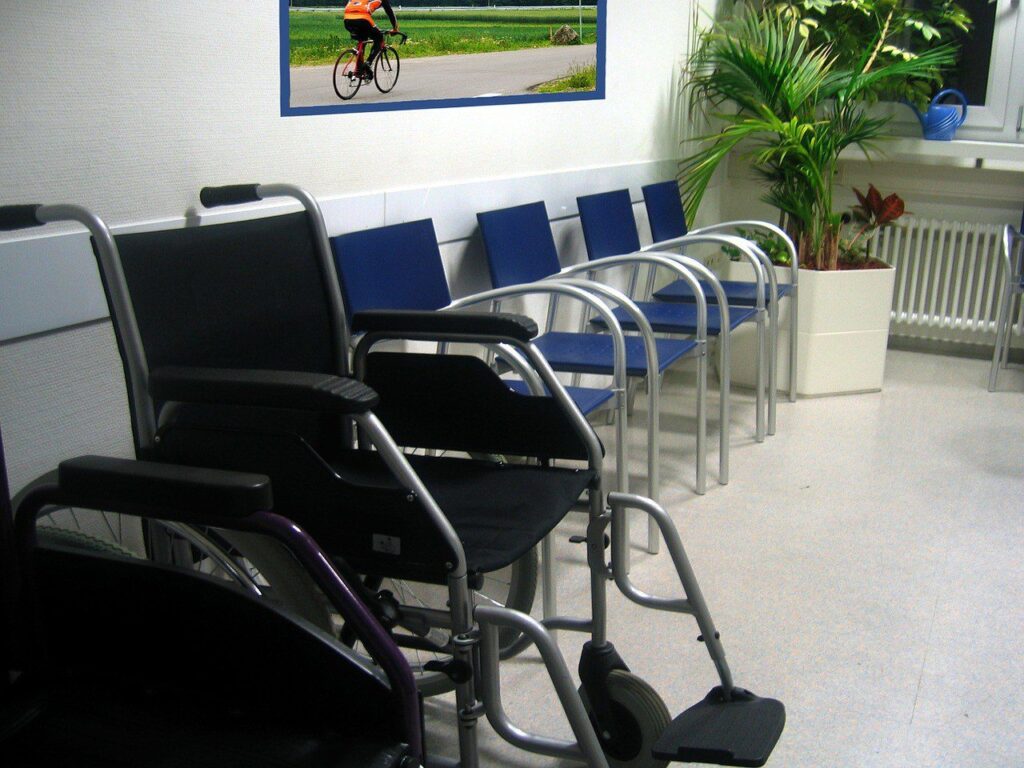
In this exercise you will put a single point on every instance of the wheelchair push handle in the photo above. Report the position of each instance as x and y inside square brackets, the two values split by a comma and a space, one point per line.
[19, 217]
[231, 194]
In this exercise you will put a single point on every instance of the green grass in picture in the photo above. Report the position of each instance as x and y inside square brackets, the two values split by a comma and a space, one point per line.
[579, 78]
[317, 37]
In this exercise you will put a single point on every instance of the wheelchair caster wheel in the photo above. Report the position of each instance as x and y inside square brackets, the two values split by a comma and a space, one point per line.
[640, 719]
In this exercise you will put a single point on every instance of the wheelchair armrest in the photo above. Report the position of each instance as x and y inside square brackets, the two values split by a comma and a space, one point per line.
[401, 323]
[167, 491]
[302, 391]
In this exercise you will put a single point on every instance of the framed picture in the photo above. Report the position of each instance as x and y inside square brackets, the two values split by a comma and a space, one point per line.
[342, 55]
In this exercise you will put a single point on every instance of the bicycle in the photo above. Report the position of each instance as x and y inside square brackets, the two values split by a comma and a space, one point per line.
[349, 66]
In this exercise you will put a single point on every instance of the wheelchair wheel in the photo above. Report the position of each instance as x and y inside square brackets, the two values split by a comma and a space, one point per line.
[276, 573]
[513, 587]
[255, 563]
[347, 77]
[385, 69]
[640, 717]
[66, 538]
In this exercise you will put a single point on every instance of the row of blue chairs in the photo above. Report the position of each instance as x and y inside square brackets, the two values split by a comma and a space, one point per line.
[399, 266]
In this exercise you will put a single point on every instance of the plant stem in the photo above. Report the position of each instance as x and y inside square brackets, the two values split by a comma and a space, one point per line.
[879, 44]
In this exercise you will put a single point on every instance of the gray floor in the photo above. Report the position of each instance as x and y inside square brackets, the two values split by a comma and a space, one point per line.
[863, 566]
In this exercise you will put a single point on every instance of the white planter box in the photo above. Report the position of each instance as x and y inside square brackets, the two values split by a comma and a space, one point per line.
[842, 336]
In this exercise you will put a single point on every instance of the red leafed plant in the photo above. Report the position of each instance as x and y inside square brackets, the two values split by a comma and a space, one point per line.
[872, 213]
[876, 211]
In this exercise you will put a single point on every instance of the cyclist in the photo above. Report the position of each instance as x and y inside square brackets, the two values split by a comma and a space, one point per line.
[359, 22]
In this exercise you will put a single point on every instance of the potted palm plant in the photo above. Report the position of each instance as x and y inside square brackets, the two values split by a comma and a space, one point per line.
[791, 107]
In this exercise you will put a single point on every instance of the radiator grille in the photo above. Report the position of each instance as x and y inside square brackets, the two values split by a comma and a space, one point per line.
[948, 279]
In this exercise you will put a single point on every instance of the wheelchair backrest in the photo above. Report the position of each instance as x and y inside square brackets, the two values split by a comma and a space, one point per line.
[180, 634]
[247, 294]
[519, 244]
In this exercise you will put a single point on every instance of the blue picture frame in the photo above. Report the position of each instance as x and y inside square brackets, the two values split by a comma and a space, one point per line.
[287, 110]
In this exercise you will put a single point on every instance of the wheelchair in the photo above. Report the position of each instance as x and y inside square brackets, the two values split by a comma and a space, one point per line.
[119, 661]
[236, 358]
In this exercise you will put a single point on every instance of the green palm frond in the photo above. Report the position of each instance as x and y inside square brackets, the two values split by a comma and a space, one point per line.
[789, 108]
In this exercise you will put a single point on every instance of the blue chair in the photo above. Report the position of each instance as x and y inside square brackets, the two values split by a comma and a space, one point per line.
[668, 223]
[521, 251]
[1013, 286]
[609, 228]
[399, 267]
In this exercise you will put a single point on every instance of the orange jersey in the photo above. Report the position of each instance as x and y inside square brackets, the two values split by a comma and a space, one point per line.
[362, 9]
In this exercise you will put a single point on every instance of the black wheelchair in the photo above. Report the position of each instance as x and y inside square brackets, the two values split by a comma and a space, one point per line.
[113, 660]
[236, 357]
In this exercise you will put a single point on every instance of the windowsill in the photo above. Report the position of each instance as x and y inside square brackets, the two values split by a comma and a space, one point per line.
[978, 154]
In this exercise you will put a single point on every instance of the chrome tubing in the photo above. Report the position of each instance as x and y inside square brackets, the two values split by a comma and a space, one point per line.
[794, 270]
[694, 603]
[670, 263]
[586, 748]
[143, 411]
[746, 248]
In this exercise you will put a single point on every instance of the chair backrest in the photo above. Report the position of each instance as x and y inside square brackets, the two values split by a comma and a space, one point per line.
[609, 228]
[394, 267]
[665, 210]
[519, 244]
[247, 294]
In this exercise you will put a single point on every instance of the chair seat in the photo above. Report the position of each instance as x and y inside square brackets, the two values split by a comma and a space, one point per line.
[681, 318]
[593, 352]
[143, 729]
[738, 292]
[499, 511]
[587, 399]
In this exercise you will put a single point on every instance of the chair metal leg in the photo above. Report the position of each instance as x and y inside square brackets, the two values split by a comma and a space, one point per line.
[725, 394]
[549, 583]
[655, 383]
[1008, 336]
[759, 430]
[702, 421]
[1001, 349]
[794, 338]
[773, 362]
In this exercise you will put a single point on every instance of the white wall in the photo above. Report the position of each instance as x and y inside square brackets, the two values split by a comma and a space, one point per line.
[130, 107]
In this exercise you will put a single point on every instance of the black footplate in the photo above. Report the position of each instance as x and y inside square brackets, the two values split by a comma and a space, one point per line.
[741, 731]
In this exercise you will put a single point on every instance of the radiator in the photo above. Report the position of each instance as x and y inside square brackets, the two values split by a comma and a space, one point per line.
[948, 279]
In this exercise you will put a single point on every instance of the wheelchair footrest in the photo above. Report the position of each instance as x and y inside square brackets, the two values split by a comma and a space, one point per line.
[740, 731]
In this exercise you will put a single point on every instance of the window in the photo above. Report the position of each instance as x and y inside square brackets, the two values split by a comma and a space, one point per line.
[992, 71]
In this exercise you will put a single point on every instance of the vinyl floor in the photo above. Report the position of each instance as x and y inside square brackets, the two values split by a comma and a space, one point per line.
[863, 565]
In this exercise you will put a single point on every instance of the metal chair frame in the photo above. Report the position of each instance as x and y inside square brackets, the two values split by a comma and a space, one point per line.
[1013, 287]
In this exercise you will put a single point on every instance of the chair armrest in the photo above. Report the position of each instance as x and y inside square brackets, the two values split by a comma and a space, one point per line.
[402, 322]
[319, 392]
[167, 491]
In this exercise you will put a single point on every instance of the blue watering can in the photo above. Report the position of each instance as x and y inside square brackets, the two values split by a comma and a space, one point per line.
[940, 122]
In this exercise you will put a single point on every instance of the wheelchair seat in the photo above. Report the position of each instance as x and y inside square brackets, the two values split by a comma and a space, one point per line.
[349, 499]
